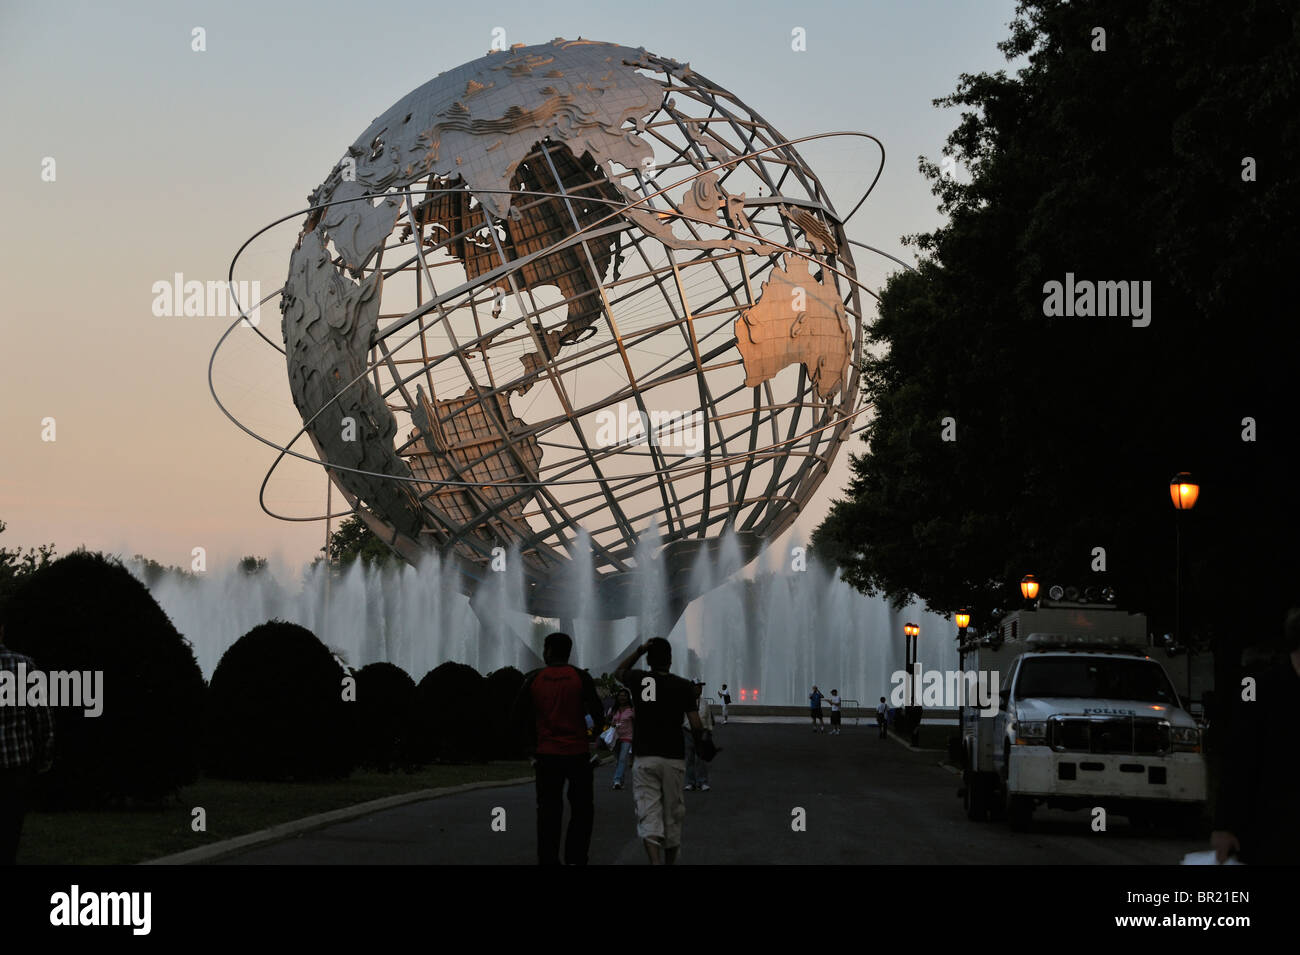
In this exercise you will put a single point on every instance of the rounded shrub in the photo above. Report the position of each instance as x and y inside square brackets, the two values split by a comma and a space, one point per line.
[450, 704]
[85, 613]
[276, 709]
[385, 717]
[501, 689]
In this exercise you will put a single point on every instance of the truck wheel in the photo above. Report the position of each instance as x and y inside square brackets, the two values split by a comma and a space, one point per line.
[984, 796]
[1020, 813]
[997, 805]
[975, 800]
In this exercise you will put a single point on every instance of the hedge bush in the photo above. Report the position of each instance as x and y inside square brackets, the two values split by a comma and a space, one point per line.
[276, 709]
[502, 688]
[86, 612]
[450, 704]
[385, 717]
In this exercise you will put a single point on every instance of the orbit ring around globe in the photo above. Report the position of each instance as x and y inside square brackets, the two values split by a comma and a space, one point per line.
[287, 450]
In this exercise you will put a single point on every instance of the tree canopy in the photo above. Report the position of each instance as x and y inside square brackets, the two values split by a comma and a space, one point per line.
[354, 540]
[17, 564]
[1165, 156]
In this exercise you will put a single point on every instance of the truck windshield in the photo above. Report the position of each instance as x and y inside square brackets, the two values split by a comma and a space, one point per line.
[1117, 679]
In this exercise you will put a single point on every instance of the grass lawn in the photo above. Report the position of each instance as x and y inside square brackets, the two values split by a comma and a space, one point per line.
[118, 836]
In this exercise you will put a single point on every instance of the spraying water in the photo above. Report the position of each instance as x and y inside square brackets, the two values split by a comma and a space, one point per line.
[772, 634]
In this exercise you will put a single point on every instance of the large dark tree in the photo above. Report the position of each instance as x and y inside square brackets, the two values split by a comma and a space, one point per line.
[1132, 163]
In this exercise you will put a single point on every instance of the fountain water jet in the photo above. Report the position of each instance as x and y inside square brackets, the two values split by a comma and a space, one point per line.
[776, 630]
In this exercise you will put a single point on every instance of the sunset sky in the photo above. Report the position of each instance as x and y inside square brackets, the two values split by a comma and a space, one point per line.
[167, 159]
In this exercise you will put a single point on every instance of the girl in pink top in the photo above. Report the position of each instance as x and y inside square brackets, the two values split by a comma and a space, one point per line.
[621, 719]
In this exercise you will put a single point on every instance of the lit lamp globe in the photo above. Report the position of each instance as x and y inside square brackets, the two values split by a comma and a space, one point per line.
[1029, 587]
[963, 619]
[1183, 491]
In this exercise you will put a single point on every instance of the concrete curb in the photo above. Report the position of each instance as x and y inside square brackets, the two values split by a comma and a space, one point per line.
[295, 826]
[906, 745]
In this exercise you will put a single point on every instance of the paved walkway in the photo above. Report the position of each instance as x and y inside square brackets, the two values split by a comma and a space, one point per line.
[866, 800]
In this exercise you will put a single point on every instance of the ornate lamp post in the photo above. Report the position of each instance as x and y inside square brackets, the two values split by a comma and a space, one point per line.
[910, 631]
[1183, 491]
[912, 709]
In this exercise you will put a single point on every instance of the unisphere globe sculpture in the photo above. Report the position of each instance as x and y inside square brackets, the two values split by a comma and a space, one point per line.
[573, 301]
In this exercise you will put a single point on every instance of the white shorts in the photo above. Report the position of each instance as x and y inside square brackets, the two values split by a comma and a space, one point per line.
[657, 794]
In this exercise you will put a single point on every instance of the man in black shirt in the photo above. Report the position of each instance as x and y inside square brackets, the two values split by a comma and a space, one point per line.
[658, 775]
[1257, 814]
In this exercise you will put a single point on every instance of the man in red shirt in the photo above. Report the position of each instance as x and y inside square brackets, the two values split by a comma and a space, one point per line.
[559, 703]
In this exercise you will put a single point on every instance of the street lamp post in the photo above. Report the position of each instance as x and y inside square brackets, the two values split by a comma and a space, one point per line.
[1029, 587]
[1183, 491]
[911, 631]
[913, 708]
[963, 621]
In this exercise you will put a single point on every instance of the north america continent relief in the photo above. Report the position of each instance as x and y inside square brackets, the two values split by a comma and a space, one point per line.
[796, 319]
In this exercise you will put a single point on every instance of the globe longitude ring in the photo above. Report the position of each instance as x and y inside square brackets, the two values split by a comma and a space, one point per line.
[594, 361]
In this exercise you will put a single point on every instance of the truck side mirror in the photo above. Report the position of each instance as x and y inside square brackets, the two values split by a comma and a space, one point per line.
[1004, 695]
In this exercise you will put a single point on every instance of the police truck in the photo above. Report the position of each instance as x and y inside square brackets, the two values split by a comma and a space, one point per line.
[1085, 718]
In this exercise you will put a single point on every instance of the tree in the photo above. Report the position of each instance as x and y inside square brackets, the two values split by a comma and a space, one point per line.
[154, 571]
[251, 565]
[1127, 164]
[18, 564]
[353, 540]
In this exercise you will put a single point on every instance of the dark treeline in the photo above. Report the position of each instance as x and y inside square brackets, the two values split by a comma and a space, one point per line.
[1158, 151]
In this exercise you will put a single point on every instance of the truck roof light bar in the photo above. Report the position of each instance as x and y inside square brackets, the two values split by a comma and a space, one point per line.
[1082, 641]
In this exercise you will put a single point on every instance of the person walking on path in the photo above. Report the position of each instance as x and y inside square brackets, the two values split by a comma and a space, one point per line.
[659, 699]
[26, 749]
[697, 770]
[622, 719]
[835, 712]
[815, 708]
[1257, 813]
[559, 704]
[882, 718]
[726, 701]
